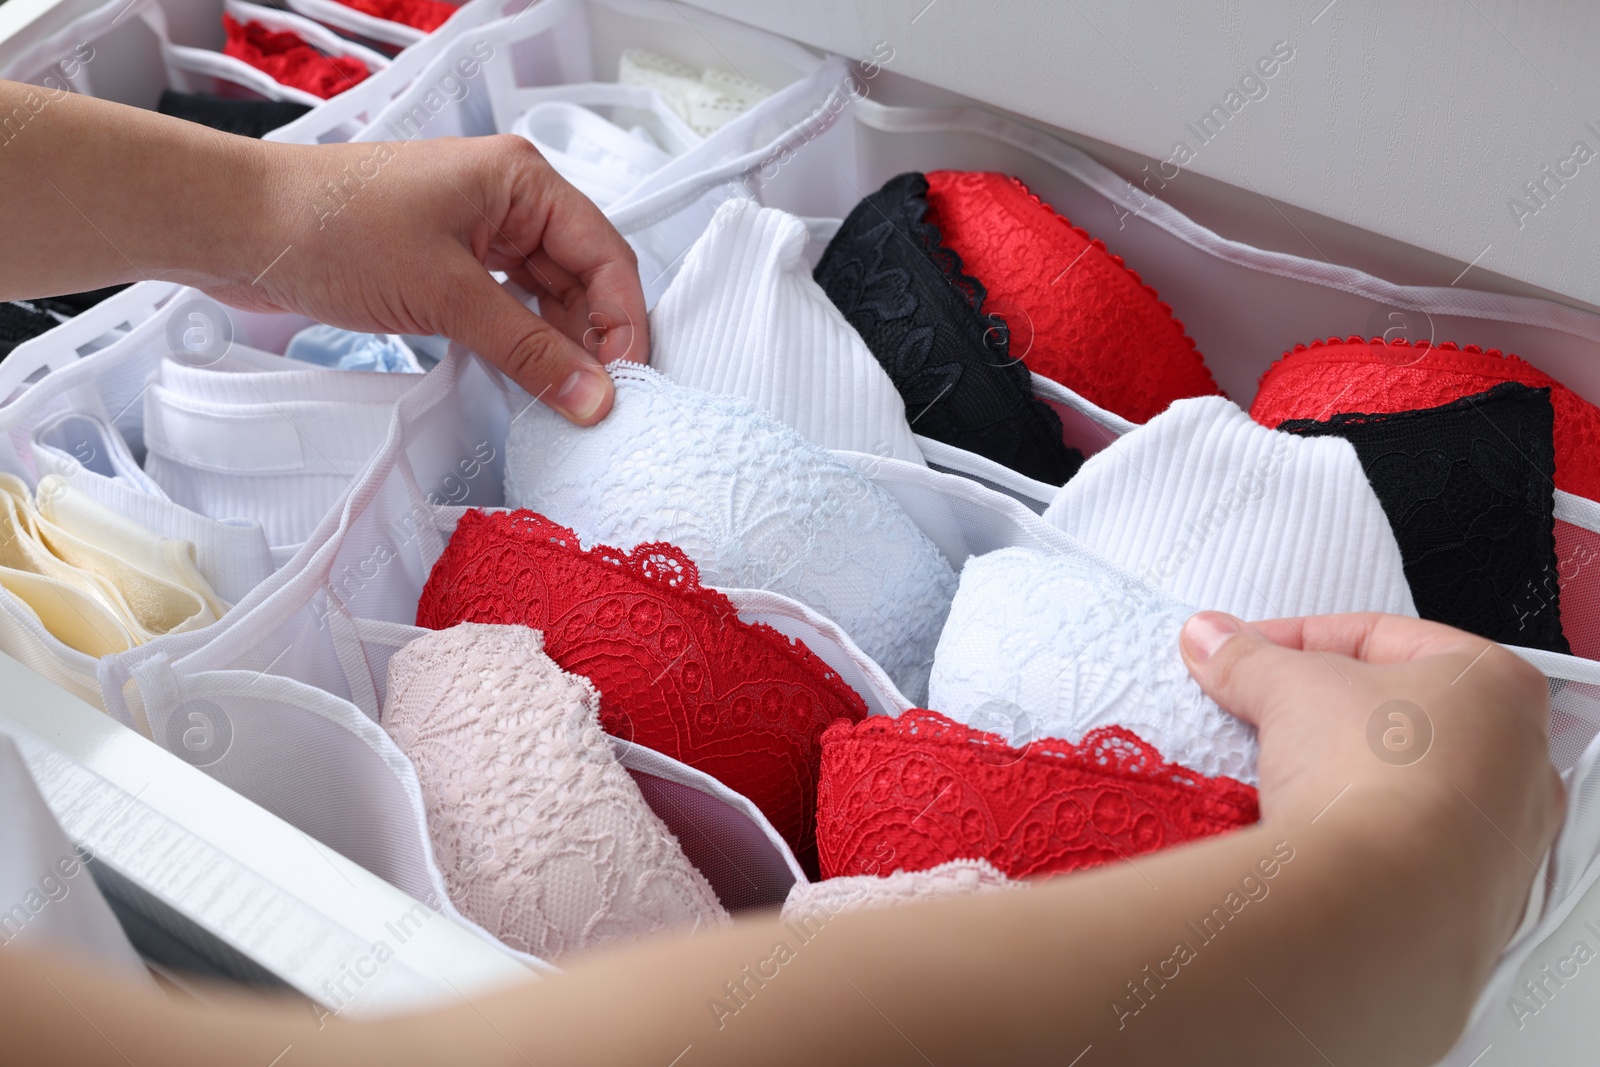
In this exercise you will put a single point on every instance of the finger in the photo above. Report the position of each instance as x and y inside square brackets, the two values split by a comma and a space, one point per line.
[531, 352]
[1236, 664]
[579, 240]
[1370, 637]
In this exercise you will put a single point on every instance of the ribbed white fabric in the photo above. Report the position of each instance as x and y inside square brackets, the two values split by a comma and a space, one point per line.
[277, 446]
[1225, 514]
[744, 317]
[751, 502]
[1051, 645]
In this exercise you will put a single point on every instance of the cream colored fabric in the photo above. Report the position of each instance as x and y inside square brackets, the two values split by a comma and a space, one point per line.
[707, 100]
[164, 558]
[102, 593]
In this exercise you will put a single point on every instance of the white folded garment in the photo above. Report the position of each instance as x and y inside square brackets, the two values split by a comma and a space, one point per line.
[1227, 515]
[744, 317]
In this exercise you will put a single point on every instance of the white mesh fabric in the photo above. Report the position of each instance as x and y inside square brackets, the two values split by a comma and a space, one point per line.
[304, 661]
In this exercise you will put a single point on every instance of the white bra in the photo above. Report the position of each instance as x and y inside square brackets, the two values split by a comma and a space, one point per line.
[1225, 514]
[751, 502]
[1051, 645]
[541, 835]
[605, 159]
[91, 464]
[744, 317]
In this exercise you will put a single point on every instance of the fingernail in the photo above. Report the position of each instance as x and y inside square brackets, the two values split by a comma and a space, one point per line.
[1207, 631]
[583, 393]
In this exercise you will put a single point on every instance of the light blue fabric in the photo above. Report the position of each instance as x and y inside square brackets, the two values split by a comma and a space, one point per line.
[329, 346]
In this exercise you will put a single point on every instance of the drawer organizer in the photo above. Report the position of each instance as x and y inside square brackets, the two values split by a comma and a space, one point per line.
[300, 663]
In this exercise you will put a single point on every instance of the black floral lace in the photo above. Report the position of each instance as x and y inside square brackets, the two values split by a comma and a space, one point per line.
[891, 276]
[1469, 488]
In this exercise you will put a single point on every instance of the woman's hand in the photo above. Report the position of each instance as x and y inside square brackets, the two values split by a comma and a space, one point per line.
[1448, 731]
[393, 237]
[399, 238]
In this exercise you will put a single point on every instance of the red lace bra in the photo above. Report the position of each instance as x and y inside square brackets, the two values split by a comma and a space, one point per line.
[912, 792]
[426, 15]
[1076, 314]
[289, 60]
[1337, 376]
[677, 669]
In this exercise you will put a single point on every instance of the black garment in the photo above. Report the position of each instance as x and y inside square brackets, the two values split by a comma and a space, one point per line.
[889, 273]
[23, 320]
[247, 118]
[1469, 488]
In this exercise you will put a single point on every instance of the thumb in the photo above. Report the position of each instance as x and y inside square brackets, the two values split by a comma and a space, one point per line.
[1236, 664]
[541, 359]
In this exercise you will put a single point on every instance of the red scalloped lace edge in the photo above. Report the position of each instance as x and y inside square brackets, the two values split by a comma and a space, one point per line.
[1100, 245]
[1084, 755]
[1357, 340]
[685, 585]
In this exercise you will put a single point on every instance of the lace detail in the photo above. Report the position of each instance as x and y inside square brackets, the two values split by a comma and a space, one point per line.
[289, 60]
[426, 15]
[1044, 645]
[1476, 527]
[922, 315]
[1080, 316]
[923, 790]
[820, 901]
[755, 506]
[1313, 381]
[677, 669]
[543, 838]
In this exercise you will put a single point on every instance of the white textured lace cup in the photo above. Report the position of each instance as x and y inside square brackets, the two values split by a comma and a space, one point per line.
[543, 838]
[750, 501]
[1051, 645]
[1227, 515]
[744, 317]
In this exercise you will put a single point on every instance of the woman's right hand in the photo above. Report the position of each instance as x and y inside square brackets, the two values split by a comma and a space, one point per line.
[1447, 731]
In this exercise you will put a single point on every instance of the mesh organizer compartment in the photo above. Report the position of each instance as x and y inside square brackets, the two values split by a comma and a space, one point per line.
[125, 52]
[482, 79]
[130, 52]
[301, 664]
[204, 70]
[1244, 307]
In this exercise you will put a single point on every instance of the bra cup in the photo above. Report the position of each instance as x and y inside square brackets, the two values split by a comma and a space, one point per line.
[1077, 315]
[1053, 645]
[749, 501]
[540, 833]
[1225, 515]
[744, 317]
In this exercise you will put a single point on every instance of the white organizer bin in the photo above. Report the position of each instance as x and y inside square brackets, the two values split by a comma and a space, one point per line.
[819, 145]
